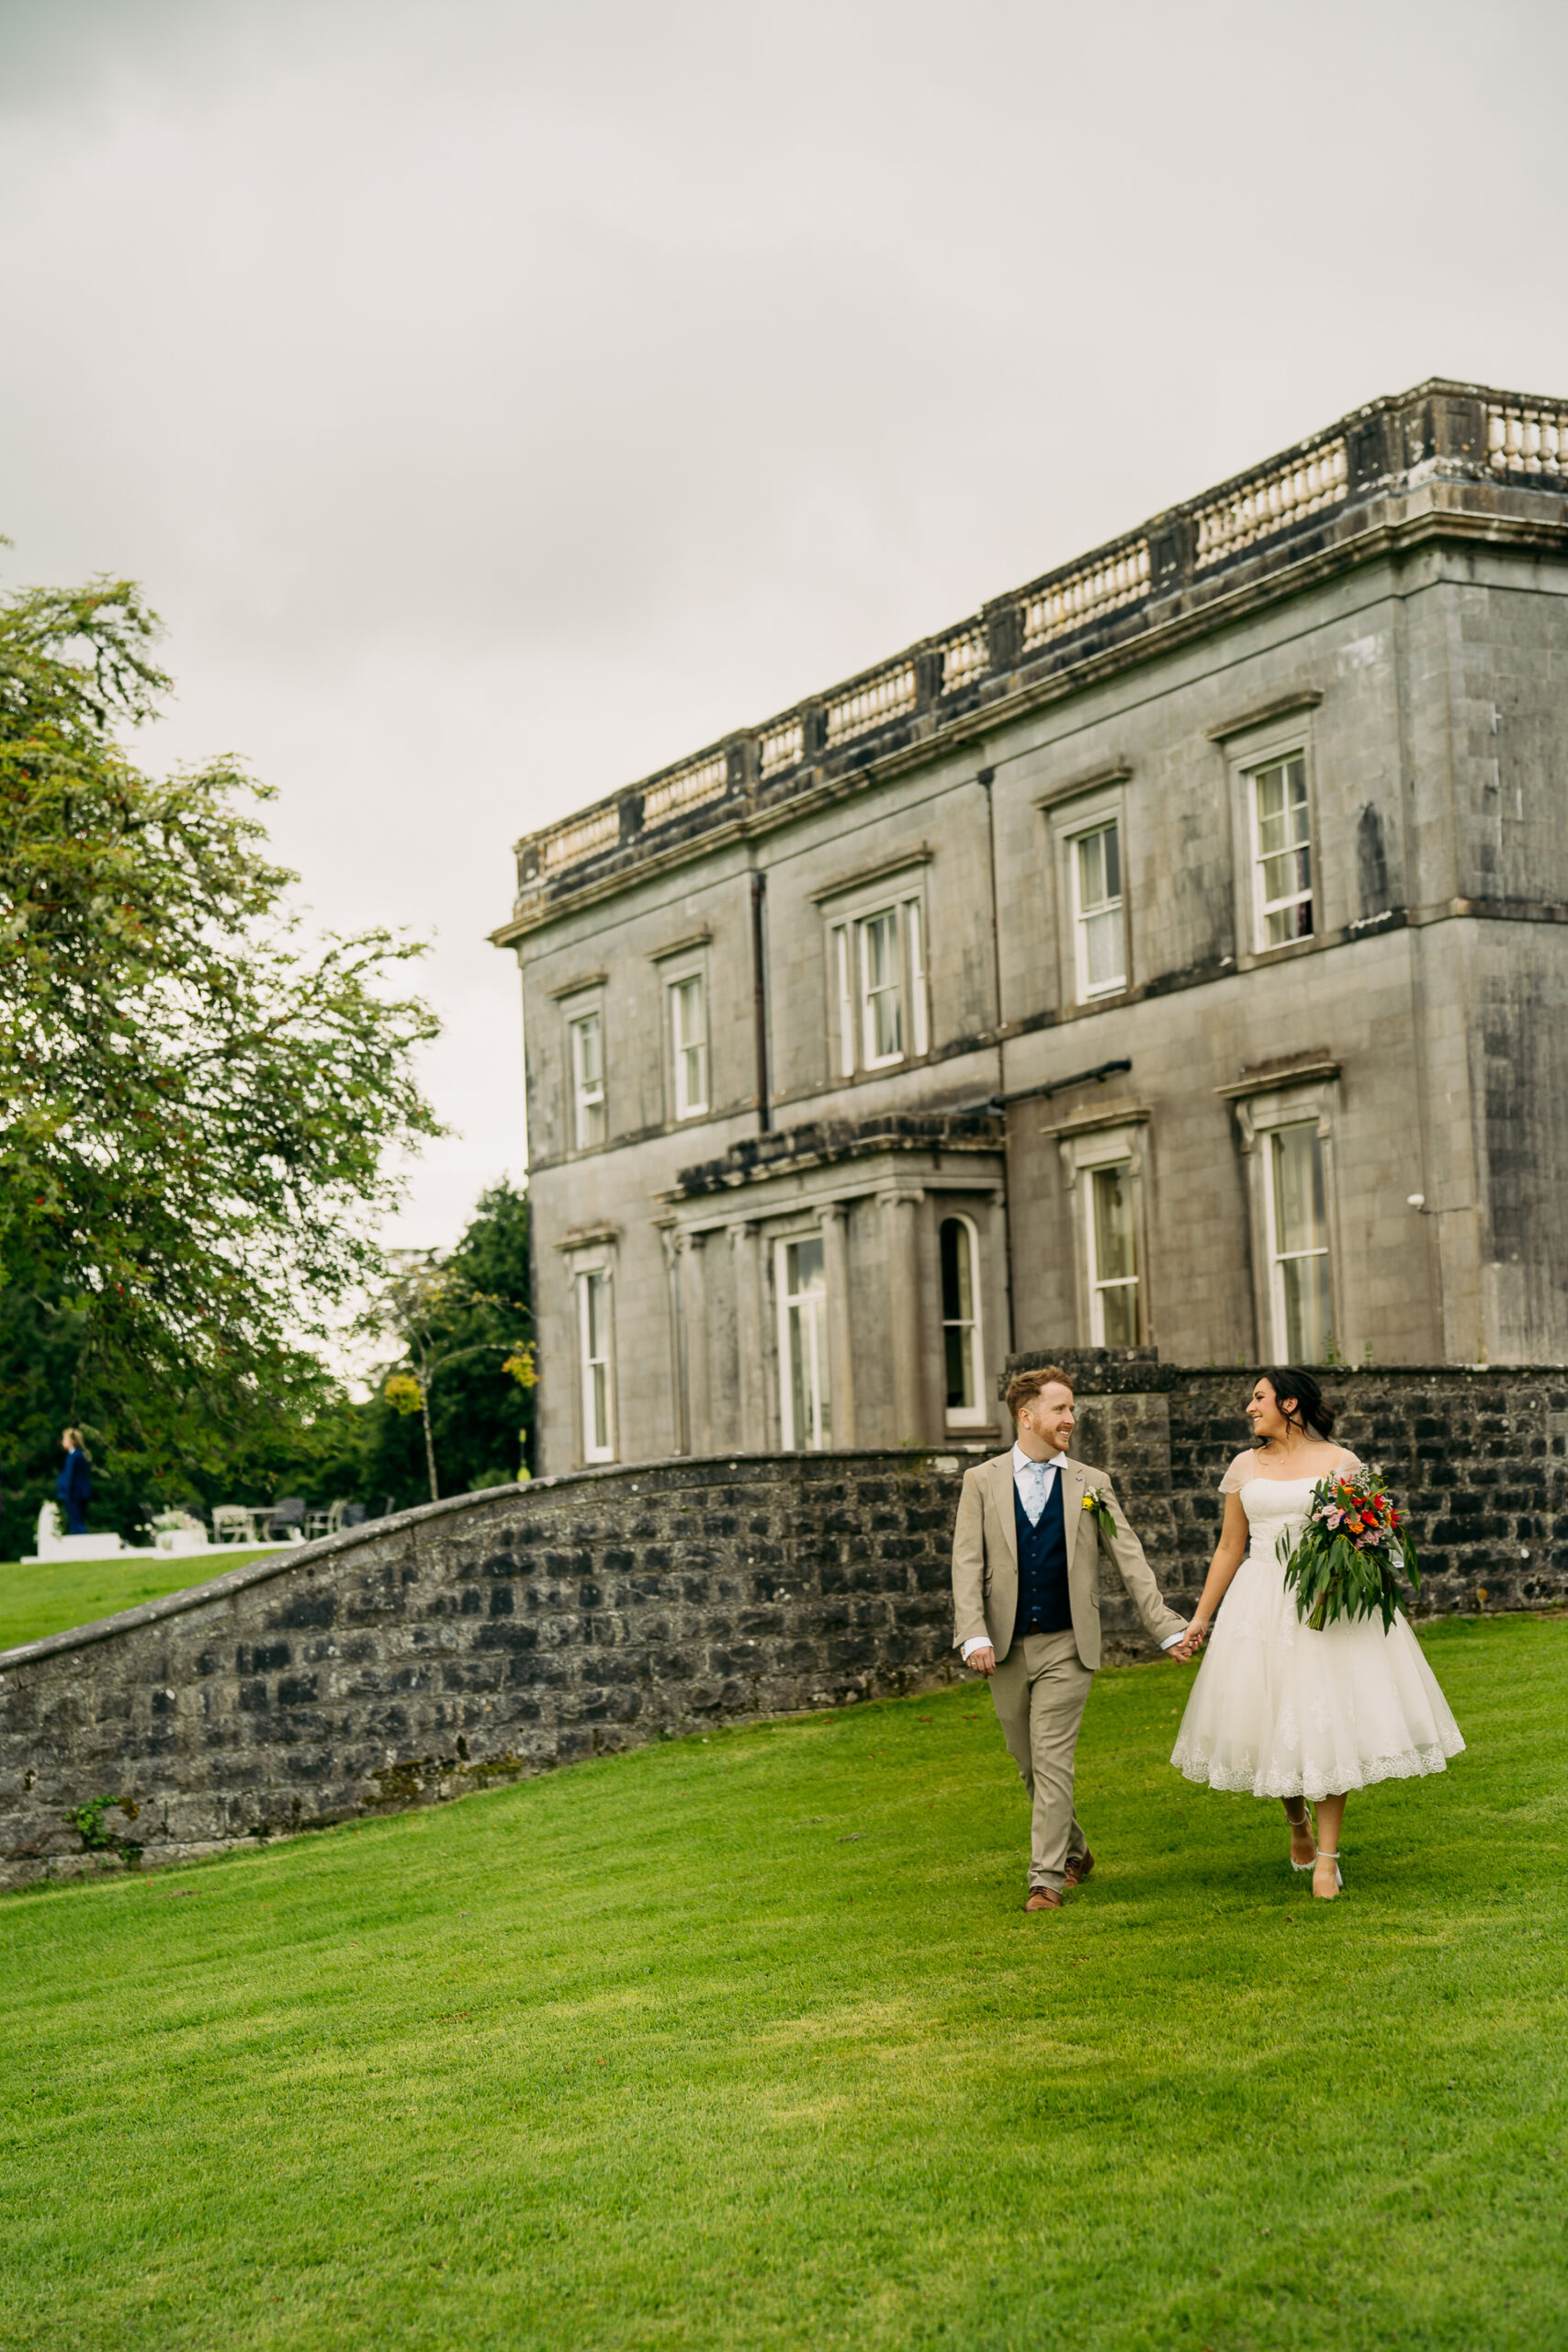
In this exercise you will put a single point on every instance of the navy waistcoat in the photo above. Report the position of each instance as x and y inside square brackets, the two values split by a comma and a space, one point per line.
[1044, 1604]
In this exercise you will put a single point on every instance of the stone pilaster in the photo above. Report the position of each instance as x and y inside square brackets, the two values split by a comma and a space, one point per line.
[698, 1361]
[841, 1348]
[899, 1209]
[746, 1243]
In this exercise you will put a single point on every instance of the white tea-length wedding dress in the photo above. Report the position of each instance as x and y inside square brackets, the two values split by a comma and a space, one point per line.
[1279, 1711]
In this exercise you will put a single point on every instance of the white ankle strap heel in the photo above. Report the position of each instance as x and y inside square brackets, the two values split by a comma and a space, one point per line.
[1307, 1823]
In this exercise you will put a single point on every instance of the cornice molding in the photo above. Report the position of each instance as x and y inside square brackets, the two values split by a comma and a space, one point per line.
[865, 878]
[1078, 786]
[683, 946]
[1305, 698]
[1105, 1115]
[1312, 1069]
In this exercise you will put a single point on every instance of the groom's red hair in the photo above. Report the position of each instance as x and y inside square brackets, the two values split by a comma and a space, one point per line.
[1025, 1386]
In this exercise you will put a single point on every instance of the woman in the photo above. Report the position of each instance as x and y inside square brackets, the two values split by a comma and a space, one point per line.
[74, 1483]
[1277, 1709]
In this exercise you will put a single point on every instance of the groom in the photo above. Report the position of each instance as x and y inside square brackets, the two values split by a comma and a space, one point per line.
[1026, 1608]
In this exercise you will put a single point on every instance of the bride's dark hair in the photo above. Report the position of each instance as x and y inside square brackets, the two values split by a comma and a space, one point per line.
[1288, 1381]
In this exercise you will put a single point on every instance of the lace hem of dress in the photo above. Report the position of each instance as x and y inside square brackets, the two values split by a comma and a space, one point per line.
[1410, 1764]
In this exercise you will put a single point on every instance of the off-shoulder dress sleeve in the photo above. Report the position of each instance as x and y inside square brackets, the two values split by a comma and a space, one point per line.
[1347, 1461]
[1242, 1468]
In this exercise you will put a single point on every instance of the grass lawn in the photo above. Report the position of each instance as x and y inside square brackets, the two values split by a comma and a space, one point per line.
[747, 2042]
[45, 1598]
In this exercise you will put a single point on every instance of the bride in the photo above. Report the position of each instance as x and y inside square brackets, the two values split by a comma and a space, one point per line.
[1277, 1709]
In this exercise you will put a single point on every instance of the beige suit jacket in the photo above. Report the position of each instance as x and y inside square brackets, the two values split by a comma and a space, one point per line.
[985, 1560]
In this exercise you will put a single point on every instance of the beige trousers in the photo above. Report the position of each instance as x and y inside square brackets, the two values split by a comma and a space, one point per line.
[1039, 1691]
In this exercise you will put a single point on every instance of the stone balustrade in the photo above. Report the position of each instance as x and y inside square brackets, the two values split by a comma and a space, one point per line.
[1271, 502]
[1072, 600]
[1529, 437]
[1269, 518]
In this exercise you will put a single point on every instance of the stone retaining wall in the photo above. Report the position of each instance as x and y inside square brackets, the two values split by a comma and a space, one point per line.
[475, 1640]
[506, 1632]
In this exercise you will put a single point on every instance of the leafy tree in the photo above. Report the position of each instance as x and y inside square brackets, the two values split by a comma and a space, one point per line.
[302, 1433]
[456, 1409]
[200, 1106]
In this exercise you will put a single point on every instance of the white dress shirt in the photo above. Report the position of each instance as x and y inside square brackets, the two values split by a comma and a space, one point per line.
[1035, 1481]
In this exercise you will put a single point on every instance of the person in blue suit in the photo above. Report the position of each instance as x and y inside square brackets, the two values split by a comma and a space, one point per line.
[74, 1483]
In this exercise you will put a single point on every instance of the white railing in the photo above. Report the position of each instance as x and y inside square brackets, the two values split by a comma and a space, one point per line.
[687, 789]
[600, 828]
[782, 746]
[1074, 597]
[1271, 502]
[870, 703]
[965, 658]
[1527, 440]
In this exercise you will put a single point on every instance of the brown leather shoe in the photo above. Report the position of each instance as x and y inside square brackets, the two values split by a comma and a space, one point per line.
[1078, 1868]
[1044, 1898]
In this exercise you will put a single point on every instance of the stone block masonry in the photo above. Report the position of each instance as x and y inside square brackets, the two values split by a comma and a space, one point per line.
[501, 1634]
[477, 1640]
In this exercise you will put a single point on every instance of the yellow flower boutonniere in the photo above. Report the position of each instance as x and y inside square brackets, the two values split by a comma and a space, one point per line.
[1099, 1509]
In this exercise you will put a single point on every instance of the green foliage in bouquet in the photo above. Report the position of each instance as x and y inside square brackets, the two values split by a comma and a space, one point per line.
[1350, 1553]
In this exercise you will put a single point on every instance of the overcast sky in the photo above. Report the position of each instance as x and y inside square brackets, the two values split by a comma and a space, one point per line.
[501, 399]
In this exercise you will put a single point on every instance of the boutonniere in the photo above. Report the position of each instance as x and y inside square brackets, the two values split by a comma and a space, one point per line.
[1099, 1509]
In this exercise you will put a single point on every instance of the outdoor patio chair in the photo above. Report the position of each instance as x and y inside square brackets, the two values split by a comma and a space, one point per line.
[288, 1512]
[233, 1524]
[327, 1521]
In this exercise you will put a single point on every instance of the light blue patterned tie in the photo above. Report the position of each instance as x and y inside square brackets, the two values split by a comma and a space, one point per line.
[1034, 1496]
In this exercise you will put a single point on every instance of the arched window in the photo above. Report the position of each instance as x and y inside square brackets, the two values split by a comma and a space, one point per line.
[963, 1357]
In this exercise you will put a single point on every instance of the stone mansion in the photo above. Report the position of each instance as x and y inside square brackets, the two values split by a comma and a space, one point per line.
[1174, 952]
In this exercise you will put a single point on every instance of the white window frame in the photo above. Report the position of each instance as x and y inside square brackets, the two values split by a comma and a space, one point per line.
[1249, 750]
[1071, 813]
[584, 1100]
[975, 1415]
[1254, 770]
[687, 1104]
[1115, 1137]
[1284, 1352]
[598, 1445]
[838, 943]
[1098, 1283]
[1088, 991]
[1310, 1098]
[879, 918]
[901, 896]
[818, 1438]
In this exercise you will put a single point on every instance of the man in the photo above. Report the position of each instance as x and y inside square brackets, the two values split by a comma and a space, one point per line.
[1026, 1608]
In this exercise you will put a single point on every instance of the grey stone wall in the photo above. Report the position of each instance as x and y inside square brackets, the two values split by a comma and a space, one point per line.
[504, 1633]
[475, 1640]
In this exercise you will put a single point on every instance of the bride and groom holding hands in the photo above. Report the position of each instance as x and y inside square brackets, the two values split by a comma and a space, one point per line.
[1277, 1709]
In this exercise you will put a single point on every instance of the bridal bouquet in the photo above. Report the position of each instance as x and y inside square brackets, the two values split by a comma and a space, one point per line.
[1350, 1553]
